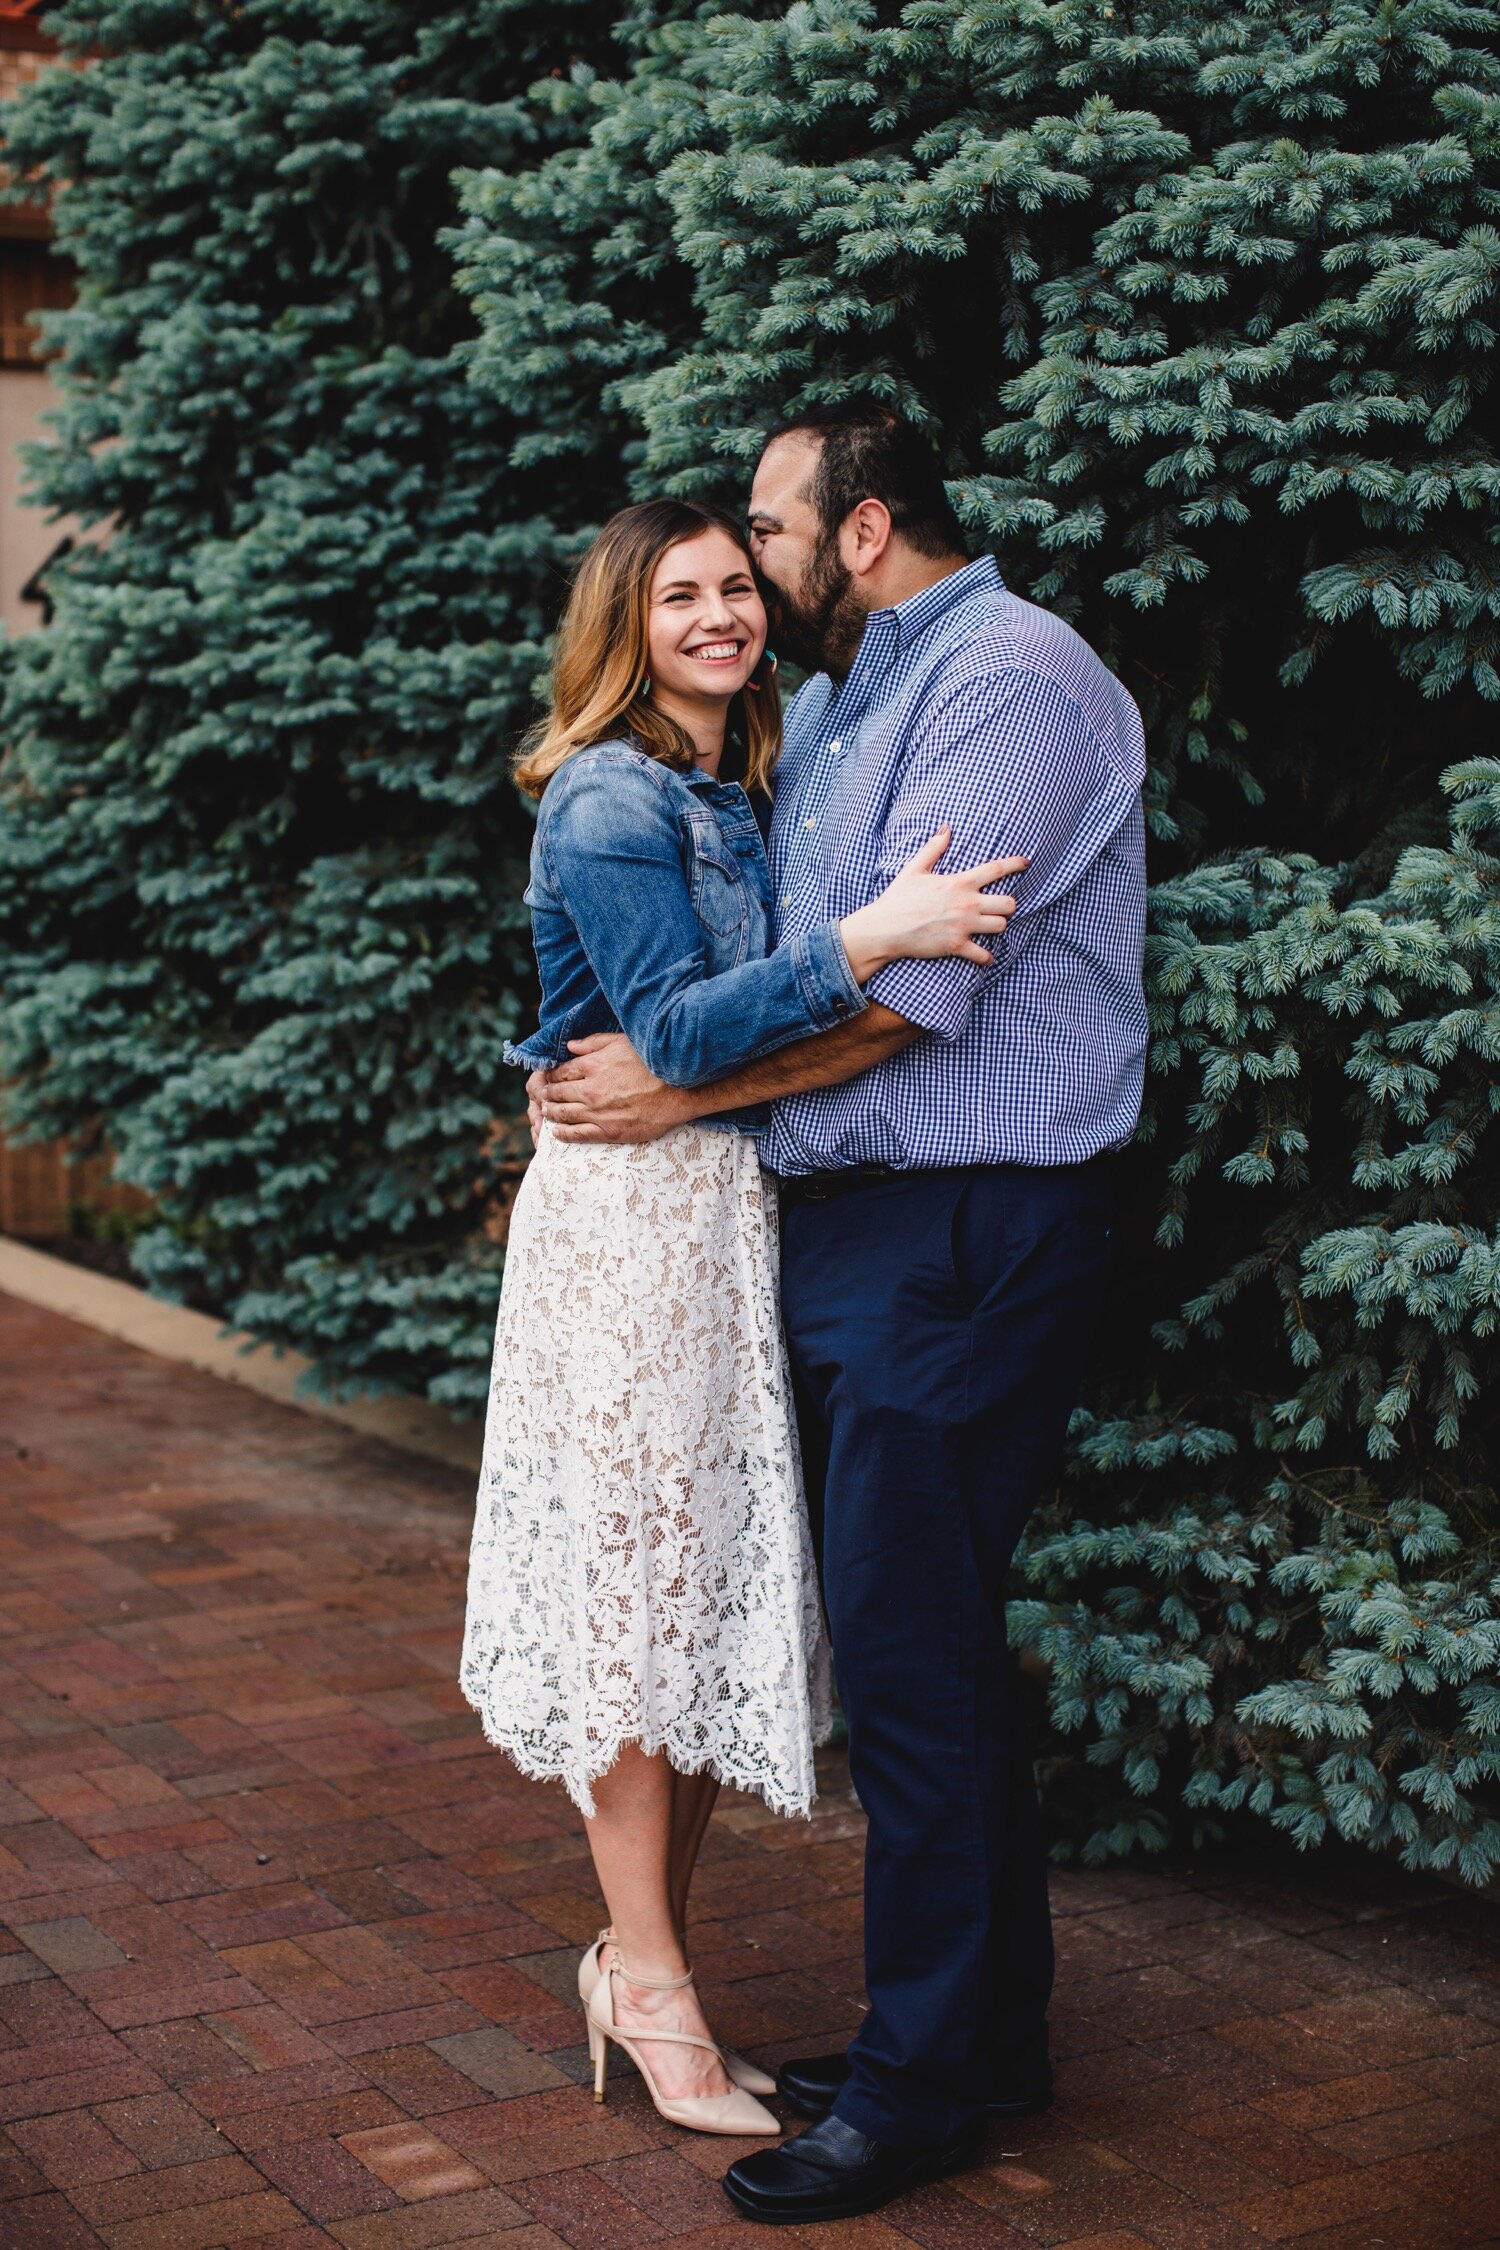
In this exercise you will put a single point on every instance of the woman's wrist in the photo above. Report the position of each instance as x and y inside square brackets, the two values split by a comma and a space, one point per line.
[860, 934]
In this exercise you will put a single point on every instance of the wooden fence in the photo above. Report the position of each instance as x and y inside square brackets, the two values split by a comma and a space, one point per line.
[39, 1186]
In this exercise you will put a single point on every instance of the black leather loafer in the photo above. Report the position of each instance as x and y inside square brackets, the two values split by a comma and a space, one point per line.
[833, 2172]
[811, 2085]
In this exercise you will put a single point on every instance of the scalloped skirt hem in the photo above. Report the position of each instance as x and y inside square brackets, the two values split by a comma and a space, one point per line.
[729, 1772]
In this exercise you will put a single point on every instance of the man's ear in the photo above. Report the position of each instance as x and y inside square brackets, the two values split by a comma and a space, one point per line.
[865, 536]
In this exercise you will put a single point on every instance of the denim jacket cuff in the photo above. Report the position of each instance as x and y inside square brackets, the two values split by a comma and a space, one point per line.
[827, 981]
[531, 1054]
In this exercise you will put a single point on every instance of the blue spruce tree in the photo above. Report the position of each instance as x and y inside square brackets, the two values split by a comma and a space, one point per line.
[260, 860]
[1201, 305]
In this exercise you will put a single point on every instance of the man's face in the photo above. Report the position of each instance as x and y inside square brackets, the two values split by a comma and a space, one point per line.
[811, 594]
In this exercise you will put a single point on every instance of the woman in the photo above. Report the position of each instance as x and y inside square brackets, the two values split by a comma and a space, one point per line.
[643, 1618]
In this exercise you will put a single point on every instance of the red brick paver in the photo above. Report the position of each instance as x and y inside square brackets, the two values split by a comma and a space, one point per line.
[287, 1955]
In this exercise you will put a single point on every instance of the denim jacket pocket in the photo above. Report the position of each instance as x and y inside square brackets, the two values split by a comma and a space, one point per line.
[718, 888]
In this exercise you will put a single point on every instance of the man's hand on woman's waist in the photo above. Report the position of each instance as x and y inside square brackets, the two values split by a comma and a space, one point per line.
[606, 1093]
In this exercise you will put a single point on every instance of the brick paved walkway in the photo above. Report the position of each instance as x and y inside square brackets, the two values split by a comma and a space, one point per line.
[286, 1954]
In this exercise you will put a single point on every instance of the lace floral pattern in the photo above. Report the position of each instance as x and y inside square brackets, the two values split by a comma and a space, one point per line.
[641, 1569]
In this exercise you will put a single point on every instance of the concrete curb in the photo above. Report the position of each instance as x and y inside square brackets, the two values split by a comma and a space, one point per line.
[192, 1338]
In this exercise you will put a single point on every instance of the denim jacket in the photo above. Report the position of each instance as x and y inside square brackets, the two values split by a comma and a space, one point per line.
[650, 899]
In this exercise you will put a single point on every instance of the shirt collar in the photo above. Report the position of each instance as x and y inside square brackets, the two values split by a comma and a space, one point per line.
[912, 617]
[889, 633]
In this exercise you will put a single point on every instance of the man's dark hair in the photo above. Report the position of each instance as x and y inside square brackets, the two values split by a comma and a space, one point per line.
[865, 452]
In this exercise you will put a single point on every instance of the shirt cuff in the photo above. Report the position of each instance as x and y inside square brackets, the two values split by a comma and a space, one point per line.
[825, 977]
[937, 996]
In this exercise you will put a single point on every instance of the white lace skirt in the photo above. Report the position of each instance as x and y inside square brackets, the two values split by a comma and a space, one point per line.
[641, 1568]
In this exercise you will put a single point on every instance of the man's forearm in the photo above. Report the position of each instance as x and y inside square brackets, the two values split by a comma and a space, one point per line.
[604, 1092]
[825, 1059]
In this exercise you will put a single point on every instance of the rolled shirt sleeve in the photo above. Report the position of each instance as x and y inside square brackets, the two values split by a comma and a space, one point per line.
[1008, 760]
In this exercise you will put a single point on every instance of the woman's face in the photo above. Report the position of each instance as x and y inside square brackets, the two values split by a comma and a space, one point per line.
[706, 624]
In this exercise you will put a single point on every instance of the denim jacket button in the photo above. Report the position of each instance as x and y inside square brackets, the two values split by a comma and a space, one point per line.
[840, 1005]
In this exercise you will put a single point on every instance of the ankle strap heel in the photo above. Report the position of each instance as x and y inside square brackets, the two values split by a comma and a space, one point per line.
[737, 2113]
[748, 2075]
[617, 1967]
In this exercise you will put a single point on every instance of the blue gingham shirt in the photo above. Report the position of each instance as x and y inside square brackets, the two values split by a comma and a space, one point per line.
[968, 706]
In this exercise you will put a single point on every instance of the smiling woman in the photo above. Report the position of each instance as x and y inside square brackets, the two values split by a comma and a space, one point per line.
[664, 633]
[705, 634]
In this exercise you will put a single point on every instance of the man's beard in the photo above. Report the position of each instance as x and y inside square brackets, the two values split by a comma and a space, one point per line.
[820, 628]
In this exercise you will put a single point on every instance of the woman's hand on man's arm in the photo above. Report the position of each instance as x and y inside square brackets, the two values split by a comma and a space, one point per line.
[606, 1093]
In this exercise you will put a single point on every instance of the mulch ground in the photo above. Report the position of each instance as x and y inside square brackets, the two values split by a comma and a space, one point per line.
[287, 1955]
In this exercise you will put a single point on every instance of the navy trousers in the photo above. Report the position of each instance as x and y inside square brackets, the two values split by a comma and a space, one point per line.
[937, 1323]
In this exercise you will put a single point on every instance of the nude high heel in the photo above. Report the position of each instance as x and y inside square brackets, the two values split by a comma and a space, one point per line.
[738, 2113]
[589, 1971]
[746, 2074]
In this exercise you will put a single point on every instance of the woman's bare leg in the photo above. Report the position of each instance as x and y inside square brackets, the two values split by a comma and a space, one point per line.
[631, 1838]
[693, 1802]
[693, 1798]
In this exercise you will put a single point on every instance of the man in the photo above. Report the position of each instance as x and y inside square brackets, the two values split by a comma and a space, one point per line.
[945, 1159]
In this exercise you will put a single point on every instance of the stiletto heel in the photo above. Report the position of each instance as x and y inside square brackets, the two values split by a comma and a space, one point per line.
[738, 2113]
[746, 2074]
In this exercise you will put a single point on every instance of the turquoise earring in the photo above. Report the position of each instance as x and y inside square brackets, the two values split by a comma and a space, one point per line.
[768, 658]
[645, 687]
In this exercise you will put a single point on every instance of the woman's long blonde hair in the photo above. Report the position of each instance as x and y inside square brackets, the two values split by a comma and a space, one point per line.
[600, 669]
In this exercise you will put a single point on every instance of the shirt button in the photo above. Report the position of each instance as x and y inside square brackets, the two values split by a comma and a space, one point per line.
[835, 747]
[786, 898]
[809, 824]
